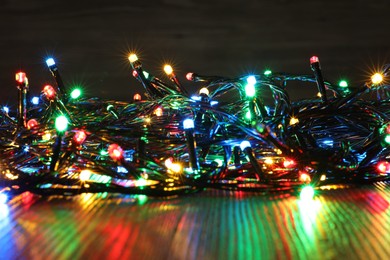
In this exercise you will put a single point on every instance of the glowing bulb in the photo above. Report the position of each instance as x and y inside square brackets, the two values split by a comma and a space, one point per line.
[190, 76]
[173, 167]
[244, 145]
[115, 152]
[314, 59]
[251, 80]
[304, 177]
[137, 97]
[46, 136]
[250, 90]
[20, 77]
[146, 74]
[383, 167]
[79, 137]
[377, 78]
[3, 198]
[6, 109]
[267, 72]
[85, 175]
[168, 69]
[248, 115]
[61, 123]
[343, 84]
[319, 94]
[158, 111]
[32, 123]
[289, 163]
[133, 58]
[294, 121]
[387, 139]
[204, 91]
[50, 62]
[49, 92]
[35, 100]
[75, 93]
[323, 177]
[307, 193]
[188, 124]
[269, 161]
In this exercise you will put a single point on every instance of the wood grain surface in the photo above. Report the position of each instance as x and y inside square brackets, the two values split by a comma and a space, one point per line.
[348, 223]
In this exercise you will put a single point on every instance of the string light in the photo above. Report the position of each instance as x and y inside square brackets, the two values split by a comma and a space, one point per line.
[49, 92]
[204, 151]
[61, 123]
[168, 69]
[32, 123]
[133, 58]
[307, 193]
[76, 93]
[377, 78]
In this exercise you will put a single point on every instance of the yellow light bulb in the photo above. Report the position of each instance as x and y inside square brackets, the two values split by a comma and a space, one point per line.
[133, 58]
[377, 78]
[168, 69]
[269, 161]
[204, 91]
[294, 121]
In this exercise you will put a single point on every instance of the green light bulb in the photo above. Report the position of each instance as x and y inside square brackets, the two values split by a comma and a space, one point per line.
[61, 123]
[387, 139]
[75, 93]
[343, 84]
[250, 90]
[307, 193]
[248, 115]
[267, 72]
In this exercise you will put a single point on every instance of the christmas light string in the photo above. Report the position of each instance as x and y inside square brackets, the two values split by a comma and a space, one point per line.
[236, 133]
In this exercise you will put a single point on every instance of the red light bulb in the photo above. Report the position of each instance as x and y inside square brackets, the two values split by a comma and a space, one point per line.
[32, 123]
[115, 152]
[383, 167]
[49, 92]
[135, 74]
[20, 77]
[79, 137]
[314, 59]
[289, 163]
[190, 76]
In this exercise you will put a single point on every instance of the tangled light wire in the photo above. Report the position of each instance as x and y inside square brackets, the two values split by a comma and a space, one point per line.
[173, 143]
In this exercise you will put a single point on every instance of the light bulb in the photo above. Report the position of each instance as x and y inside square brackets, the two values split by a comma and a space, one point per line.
[251, 80]
[61, 123]
[188, 124]
[133, 58]
[75, 93]
[32, 123]
[343, 84]
[204, 91]
[35, 100]
[85, 175]
[377, 78]
[49, 92]
[244, 145]
[50, 62]
[307, 193]
[20, 77]
[79, 137]
[250, 90]
[168, 69]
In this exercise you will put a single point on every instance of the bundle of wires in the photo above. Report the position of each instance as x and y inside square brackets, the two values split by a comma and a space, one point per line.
[172, 143]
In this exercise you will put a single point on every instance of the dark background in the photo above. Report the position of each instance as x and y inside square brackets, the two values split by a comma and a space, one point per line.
[91, 40]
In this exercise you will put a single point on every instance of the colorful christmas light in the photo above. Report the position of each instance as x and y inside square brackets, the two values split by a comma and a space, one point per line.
[174, 143]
